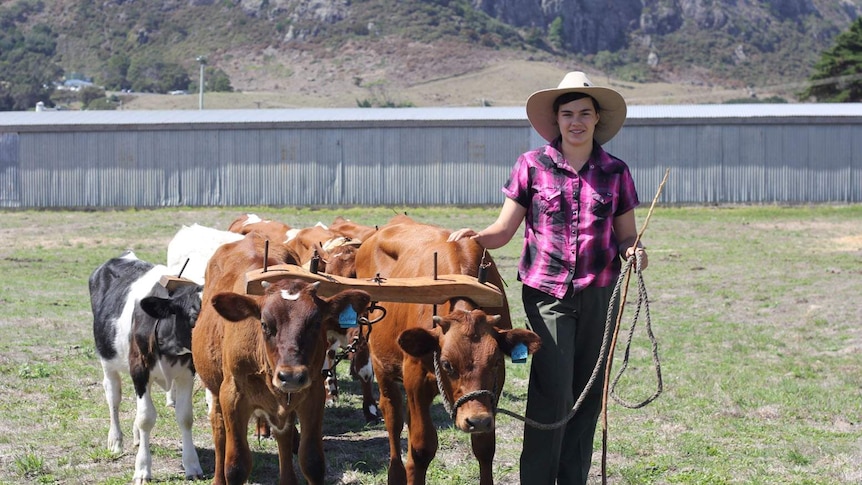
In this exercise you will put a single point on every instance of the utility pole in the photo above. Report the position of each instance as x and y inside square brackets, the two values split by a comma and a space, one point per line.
[203, 62]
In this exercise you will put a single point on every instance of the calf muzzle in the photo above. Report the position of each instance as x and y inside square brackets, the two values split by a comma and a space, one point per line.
[291, 379]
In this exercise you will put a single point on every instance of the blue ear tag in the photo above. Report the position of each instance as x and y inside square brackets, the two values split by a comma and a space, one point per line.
[347, 319]
[519, 353]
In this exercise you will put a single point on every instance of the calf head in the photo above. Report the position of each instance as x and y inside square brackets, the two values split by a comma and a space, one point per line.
[171, 321]
[293, 324]
[470, 351]
[338, 259]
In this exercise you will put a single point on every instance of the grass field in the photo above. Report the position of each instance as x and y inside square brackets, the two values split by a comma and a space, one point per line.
[756, 310]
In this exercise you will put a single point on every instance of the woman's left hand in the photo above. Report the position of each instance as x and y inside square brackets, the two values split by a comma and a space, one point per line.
[461, 234]
[641, 252]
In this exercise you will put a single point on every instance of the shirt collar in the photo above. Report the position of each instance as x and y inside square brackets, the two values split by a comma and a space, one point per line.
[599, 158]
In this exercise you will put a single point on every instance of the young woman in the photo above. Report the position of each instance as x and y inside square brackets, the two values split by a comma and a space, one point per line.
[577, 202]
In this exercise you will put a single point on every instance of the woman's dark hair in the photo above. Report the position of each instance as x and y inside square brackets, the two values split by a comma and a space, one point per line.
[569, 97]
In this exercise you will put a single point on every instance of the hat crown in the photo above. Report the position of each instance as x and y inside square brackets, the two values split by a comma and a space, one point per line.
[575, 79]
[612, 107]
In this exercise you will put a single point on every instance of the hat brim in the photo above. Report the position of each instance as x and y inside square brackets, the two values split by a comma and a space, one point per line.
[612, 111]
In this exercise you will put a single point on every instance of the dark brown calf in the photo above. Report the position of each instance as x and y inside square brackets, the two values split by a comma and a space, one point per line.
[262, 355]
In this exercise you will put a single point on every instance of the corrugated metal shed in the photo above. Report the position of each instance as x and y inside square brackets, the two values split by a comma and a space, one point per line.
[757, 153]
[201, 119]
[207, 119]
[746, 153]
[820, 111]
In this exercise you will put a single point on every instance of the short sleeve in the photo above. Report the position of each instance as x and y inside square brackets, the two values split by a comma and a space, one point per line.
[517, 187]
[628, 198]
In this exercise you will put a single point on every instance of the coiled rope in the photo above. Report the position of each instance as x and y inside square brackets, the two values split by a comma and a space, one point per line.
[642, 299]
[606, 341]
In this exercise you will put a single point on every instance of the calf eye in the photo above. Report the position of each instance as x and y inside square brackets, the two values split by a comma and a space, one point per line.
[447, 367]
[268, 330]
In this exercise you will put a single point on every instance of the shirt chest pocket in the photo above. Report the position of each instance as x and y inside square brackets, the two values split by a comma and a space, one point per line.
[549, 200]
[602, 204]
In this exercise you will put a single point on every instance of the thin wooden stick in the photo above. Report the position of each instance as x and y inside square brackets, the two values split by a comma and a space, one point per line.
[610, 357]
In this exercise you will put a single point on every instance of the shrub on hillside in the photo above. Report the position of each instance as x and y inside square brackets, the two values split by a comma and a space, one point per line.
[89, 93]
[100, 104]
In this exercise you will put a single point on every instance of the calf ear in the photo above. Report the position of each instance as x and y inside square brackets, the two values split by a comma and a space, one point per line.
[493, 320]
[235, 307]
[156, 307]
[143, 330]
[358, 299]
[507, 339]
[418, 342]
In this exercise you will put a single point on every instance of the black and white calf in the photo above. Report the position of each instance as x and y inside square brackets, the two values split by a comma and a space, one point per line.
[142, 329]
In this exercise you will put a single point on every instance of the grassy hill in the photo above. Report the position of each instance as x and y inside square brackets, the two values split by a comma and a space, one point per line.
[503, 83]
[282, 53]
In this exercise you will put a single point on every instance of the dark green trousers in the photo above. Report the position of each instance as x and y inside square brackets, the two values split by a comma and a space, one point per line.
[572, 330]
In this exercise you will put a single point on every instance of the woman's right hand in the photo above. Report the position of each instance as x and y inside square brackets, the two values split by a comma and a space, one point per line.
[461, 234]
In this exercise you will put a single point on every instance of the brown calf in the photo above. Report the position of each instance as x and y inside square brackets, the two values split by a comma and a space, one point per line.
[276, 232]
[336, 254]
[347, 228]
[464, 346]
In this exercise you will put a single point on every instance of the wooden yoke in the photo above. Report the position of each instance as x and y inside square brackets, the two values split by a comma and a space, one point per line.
[171, 283]
[400, 290]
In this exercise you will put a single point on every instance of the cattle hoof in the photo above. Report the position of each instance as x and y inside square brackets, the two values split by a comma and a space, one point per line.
[371, 418]
[115, 444]
[372, 415]
[194, 472]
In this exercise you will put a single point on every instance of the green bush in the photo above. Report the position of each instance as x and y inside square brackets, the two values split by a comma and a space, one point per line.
[556, 34]
[217, 81]
[152, 74]
[100, 104]
[769, 100]
[90, 93]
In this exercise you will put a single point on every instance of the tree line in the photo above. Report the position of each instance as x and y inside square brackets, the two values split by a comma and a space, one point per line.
[29, 72]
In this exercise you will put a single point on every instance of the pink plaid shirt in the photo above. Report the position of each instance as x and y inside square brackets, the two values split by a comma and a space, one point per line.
[569, 240]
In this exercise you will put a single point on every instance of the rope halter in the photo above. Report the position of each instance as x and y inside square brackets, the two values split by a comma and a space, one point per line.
[452, 409]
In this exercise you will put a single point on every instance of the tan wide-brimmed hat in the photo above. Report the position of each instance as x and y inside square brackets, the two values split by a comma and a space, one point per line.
[612, 107]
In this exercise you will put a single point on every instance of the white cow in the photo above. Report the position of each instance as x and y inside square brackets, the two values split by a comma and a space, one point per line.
[196, 244]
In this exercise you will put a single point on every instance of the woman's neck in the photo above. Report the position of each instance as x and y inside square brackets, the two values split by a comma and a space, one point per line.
[577, 156]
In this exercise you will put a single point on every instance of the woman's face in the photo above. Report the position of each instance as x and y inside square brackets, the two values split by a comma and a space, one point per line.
[577, 121]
